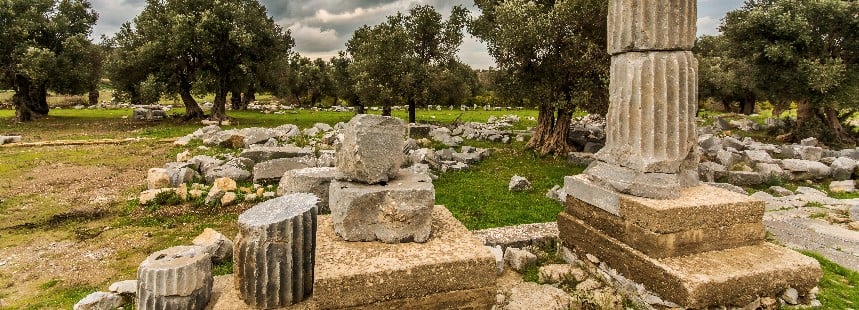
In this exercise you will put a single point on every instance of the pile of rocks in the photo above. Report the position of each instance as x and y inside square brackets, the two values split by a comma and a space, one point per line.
[496, 129]
[747, 162]
[267, 156]
[149, 112]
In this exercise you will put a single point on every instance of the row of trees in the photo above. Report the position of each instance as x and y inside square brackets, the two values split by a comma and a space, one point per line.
[788, 51]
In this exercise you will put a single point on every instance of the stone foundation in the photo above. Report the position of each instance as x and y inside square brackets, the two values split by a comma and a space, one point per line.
[452, 270]
[703, 249]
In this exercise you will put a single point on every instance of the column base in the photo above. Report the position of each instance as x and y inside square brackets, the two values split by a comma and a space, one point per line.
[730, 277]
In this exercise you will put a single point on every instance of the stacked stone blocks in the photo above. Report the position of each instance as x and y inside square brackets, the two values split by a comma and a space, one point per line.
[372, 199]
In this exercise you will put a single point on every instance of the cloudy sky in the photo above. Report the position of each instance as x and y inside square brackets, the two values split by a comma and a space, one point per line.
[322, 27]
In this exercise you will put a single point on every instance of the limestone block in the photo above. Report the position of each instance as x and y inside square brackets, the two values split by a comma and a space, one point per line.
[273, 170]
[176, 278]
[261, 154]
[518, 184]
[557, 273]
[400, 211]
[372, 149]
[100, 301]
[157, 178]
[499, 258]
[635, 25]
[842, 168]
[275, 251]
[220, 187]
[126, 287]
[651, 119]
[309, 180]
[847, 186]
[814, 169]
[745, 178]
[519, 259]
[216, 244]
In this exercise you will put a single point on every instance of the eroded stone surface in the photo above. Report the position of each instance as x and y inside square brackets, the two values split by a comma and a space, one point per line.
[400, 211]
[176, 278]
[275, 251]
[657, 25]
[372, 149]
[216, 244]
[309, 180]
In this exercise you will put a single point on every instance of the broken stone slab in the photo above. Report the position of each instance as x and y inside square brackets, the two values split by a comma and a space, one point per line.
[519, 259]
[779, 191]
[539, 235]
[842, 168]
[518, 184]
[756, 156]
[728, 158]
[316, 181]
[271, 171]
[100, 301]
[275, 251]
[847, 186]
[731, 142]
[468, 158]
[181, 173]
[745, 178]
[418, 131]
[398, 212]
[216, 244]
[770, 171]
[709, 171]
[813, 169]
[499, 258]
[227, 138]
[126, 287]
[238, 169]
[256, 135]
[372, 149]
[220, 187]
[176, 278]
[558, 273]
[261, 154]
[157, 178]
[203, 163]
[810, 153]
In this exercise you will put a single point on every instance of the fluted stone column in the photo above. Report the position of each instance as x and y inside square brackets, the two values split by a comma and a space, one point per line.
[176, 278]
[650, 133]
[275, 251]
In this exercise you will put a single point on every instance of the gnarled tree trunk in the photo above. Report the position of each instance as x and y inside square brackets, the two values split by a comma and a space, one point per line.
[558, 142]
[192, 109]
[250, 96]
[30, 99]
[236, 100]
[545, 124]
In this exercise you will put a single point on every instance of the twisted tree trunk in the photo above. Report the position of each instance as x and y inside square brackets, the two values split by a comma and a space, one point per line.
[545, 124]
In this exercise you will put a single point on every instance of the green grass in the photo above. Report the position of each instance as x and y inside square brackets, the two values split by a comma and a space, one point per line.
[838, 288]
[479, 198]
[59, 297]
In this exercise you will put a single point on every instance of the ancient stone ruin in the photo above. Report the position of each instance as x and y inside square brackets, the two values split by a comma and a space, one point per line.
[639, 207]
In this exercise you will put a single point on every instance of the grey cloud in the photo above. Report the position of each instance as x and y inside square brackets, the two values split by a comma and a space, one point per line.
[322, 27]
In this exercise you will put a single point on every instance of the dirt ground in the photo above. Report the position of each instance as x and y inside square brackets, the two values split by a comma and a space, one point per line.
[67, 227]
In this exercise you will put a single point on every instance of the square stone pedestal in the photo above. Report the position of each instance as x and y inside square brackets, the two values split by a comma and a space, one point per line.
[453, 270]
[703, 249]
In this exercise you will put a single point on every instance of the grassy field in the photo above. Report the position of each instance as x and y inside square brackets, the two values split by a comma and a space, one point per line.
[71, 225]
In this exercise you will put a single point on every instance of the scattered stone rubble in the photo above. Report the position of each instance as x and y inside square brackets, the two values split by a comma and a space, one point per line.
[270, 156]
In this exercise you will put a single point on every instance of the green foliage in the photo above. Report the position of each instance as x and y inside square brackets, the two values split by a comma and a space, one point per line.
[223, 268]
[45, 47]
[805, 51]
[220, 46]
[163, 199]
[406, 56]
[487, 183]
[548, 52]
[838, 286]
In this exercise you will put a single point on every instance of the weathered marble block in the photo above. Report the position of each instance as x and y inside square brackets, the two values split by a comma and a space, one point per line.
[275, 251]
[651, 25]
[372, 149]
[400, 211]
[176, 278]
[310, 180]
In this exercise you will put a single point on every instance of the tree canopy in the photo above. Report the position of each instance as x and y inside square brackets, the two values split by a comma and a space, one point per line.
[805, 51]
[218, 46]
[550, 54]
[396, 59]
[46, 47]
